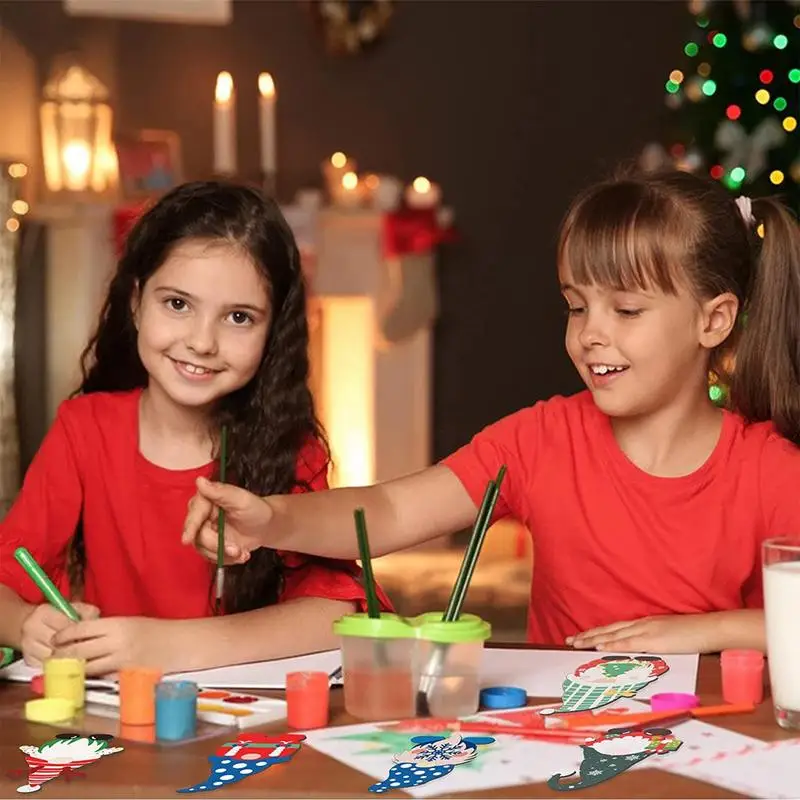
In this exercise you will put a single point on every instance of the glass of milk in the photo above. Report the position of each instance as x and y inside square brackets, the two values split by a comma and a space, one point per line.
[781, 565]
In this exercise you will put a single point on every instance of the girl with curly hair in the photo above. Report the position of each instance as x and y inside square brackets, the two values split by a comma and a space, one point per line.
[204, 326]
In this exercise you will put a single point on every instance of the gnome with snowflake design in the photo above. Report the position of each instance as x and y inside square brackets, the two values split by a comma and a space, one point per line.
[617, 751]
[431, 757]
[62, 755]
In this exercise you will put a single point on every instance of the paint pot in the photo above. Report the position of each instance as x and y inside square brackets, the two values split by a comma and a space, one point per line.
[307, 699]
[49, 710]
[65, 678]
[137, 695]
[176, 710]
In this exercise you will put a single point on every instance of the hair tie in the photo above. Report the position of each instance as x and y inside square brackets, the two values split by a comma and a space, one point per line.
[745, 206]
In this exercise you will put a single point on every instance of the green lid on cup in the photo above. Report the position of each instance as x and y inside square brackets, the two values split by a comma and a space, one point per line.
[387, 626]
[467, 628]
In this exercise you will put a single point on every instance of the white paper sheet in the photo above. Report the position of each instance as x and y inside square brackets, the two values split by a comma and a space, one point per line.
[261, 675]
[541, 672]
[511, 761]
[760, 770]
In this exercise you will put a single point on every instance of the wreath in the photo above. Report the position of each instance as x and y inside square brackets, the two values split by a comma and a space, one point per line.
[349, 27]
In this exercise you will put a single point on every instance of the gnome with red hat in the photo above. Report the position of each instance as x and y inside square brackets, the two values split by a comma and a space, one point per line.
[250, 754]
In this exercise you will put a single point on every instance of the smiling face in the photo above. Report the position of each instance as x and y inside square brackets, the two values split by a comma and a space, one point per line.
[635, 350]
[202, 320]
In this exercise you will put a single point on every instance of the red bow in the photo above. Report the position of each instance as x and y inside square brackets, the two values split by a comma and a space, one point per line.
[413, 231]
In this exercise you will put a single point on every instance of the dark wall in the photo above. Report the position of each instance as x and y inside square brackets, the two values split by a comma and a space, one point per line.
[510, 106]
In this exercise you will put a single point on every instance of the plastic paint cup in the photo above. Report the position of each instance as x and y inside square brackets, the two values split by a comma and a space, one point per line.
[742, 676]
[307, 699]
[176, 710]
[137, 695]
[674, 701]
[65, 678]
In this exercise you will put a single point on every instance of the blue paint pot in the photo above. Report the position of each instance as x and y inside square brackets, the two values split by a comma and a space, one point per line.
[176, 710]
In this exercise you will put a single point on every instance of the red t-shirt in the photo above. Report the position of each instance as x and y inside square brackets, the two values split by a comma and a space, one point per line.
[89, 468]
[613, 543]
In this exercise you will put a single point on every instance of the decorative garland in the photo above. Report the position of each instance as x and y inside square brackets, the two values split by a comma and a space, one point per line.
[349, 27]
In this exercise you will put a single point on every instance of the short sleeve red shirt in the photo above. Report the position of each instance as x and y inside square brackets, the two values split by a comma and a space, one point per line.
[612, 542]
[89, 469]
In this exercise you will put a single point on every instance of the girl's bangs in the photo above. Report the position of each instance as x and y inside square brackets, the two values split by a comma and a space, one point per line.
[623, 241]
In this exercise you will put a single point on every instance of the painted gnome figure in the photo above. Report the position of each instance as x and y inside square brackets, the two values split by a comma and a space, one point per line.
[432, 757]
[64, 753]
[604, 680]
[614, 753]
[250, 754]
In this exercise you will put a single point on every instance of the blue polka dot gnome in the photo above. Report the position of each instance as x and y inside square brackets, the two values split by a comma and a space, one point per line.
[431, 757]
[613, 753]
[250, 754]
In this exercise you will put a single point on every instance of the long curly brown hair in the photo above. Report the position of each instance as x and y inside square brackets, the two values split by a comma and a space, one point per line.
[270, 419]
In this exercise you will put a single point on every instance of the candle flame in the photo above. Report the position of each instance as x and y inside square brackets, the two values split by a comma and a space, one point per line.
[349, 181]
[421, 185]
[338, 160]
[266, 86]
[224, 89]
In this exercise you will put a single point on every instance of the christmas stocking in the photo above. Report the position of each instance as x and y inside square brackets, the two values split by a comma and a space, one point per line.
[412, 301]
[614, 753]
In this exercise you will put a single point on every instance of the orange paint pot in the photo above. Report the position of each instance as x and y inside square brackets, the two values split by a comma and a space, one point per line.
[137, 695]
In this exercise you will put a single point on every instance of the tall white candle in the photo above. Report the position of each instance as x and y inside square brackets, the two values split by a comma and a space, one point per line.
[224, 126]
[266, 108]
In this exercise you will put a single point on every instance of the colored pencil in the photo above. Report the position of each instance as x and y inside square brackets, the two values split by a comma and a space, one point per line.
[47, 587]
[576, 736]
[223, 468]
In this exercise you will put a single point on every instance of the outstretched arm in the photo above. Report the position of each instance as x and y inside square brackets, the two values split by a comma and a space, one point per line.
[399, 514]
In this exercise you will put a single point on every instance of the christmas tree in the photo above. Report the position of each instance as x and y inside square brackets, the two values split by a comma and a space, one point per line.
[735, 97]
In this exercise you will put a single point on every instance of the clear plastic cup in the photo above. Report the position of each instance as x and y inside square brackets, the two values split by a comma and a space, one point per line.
[379, 666]
[450, 656]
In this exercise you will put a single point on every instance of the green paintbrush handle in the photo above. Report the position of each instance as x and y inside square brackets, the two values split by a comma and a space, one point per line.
[47, 587]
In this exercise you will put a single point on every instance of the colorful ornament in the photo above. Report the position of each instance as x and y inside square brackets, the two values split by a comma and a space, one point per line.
[63, 755]
[748, 150]
[250, 754]
[604, 680]
[614, 753]
[432, 757]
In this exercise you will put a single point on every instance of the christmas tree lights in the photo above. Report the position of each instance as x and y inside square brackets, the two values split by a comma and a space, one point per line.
[735, 97]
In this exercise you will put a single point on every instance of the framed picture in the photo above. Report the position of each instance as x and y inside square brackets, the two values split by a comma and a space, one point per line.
[149, 163]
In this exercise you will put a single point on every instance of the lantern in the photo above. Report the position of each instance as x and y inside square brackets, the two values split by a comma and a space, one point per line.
[76, 120]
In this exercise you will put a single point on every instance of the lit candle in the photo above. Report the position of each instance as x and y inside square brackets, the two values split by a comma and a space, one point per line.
[266, 108]
[423, 194]
[350, 192]
[224, 126]
[334, 169]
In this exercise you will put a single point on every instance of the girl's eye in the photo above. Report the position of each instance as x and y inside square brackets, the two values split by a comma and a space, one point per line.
[176, 303]
[629, 312]
[241, 318]
[573, 311]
